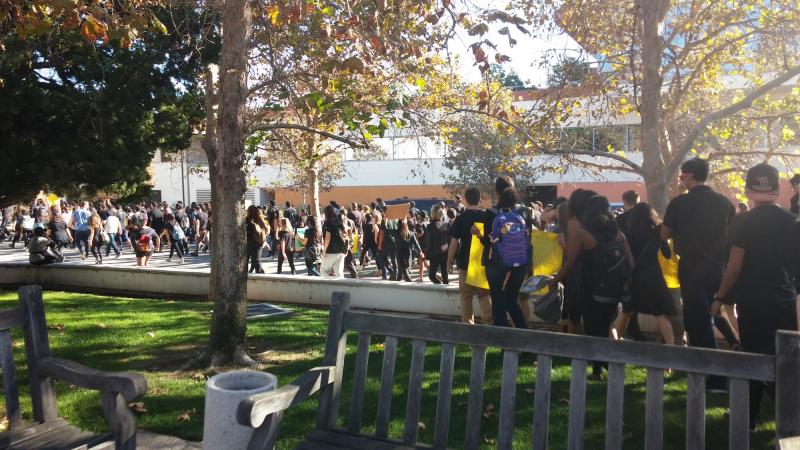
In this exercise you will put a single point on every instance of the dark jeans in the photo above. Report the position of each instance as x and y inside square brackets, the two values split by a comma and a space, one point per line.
[597, 318]
[403, 271]
[350, 265]
[289, 257]
[254, 255]
[312, 268]
[384, 263]
[759, 321]
[179, 247]
[439, 263]
[97, 249]
[112, 244]
[505, 300]
[82, 241]
[697, 292]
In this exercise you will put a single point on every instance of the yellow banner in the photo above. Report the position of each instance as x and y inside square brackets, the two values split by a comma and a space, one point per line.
[547, 255]
[669, 268]
[476, 273]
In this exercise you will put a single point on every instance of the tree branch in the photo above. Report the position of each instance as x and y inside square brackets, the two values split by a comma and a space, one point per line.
[294, 126]
[730, 110]
[636, 167]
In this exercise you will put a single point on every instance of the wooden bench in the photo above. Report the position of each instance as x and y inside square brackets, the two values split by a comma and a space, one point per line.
[49, 431]
[265, 411]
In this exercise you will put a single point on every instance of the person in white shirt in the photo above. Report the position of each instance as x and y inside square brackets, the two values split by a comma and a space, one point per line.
[111, 227]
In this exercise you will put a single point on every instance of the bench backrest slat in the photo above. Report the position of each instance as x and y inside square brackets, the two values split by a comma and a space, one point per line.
[11, 318]
[654, 410]
[739, 414]
[10, 388]
[681, 359]
[414, 392]
[354, 421]
[739, 368]
[335, 350]
[577, 405]
[615, 400]
[541, 402]
[695, 411]
[37, 346]
[445, 395]
[472, 436]
[387, 383]
[508, 400]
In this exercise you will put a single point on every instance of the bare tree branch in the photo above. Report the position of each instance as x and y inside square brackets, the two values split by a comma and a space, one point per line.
[294, 126]
[730, 110]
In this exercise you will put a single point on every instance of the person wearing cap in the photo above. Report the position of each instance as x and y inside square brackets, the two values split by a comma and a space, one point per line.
[794, 202]
[698, 222]
[756, 278]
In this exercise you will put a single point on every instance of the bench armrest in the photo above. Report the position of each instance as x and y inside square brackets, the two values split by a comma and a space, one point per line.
[129, 385]
[253, 410]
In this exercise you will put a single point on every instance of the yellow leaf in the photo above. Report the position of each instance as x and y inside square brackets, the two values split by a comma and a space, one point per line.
[94, 30]
[622, 101]
[273, 12]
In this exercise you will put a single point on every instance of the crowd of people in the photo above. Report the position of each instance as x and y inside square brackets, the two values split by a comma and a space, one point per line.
[737, 265]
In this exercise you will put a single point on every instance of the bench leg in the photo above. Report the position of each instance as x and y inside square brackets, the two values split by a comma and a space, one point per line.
[264, 437]
[120, 420]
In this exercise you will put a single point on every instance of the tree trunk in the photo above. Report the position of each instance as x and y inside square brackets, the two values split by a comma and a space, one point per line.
[312, 174]
[652, 16]
[228, 283]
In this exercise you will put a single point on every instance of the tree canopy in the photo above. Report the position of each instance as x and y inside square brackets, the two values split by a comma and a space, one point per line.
[80, 119]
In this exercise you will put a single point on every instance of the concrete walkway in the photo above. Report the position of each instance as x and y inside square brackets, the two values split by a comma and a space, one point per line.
[146, 440]
[200, 263]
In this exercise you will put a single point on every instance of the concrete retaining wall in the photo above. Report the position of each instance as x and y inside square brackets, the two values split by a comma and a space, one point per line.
[389, 296]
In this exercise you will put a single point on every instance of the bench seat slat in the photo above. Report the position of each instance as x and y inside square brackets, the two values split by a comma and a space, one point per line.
[654, 410]
[577, 405]
[695, 411]
[615, 400]
[445, 396]
[414, 392]
[541, 402]
[508, 399]
[739, 416]
[472, 436]
[387, 384]
[359, 381]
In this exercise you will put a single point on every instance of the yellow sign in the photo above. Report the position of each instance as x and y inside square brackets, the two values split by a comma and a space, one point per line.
[52, 198]
[547, 255]
[476, 273]
[669, 268]
[355, 243]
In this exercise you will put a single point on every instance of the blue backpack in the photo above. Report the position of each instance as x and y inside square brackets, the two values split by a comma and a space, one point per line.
[510, 239]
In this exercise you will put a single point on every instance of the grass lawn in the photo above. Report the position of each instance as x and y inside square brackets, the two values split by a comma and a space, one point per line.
[156, 337]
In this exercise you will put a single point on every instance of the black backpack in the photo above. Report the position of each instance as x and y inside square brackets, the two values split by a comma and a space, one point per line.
[607, 272]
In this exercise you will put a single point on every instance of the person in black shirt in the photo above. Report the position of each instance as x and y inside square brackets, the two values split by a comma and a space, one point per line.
[436, 245]
[794, 202]
[698, 221]
[460, 243]
[756, 278]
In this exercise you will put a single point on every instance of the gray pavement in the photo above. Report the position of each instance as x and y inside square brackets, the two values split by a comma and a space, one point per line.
[201, 262]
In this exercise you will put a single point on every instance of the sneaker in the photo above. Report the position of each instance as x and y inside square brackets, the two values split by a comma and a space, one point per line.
[182, 261]
[118, 255]
[83, 256]
[169, 259]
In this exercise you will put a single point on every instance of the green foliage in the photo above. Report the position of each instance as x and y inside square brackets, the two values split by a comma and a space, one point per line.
[507, 77]
[568, 71]
[80, 119]
[480, 151]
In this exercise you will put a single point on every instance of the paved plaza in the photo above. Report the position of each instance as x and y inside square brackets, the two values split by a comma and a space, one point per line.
[200, 263]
